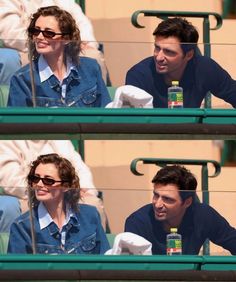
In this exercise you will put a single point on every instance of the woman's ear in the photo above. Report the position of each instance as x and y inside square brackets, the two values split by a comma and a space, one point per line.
[65, 189]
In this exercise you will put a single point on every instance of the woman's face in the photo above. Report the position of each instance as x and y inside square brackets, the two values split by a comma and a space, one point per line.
[45, 45]
[44, 192]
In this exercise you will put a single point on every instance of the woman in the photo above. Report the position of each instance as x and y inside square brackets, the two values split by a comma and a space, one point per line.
[60, 77]
[60, 225]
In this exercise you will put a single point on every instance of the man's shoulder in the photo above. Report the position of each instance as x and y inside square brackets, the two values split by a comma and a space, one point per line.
[202, 209]
[143, 65]
[144, 211]
[203, 61]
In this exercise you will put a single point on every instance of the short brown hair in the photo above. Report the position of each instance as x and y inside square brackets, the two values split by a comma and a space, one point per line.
[67, 174]
[67, 25]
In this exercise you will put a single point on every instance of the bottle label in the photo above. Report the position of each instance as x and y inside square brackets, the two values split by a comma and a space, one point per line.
[174, 247]
[175, 100]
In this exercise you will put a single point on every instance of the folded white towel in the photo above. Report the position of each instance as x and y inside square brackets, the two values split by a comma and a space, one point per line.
[129, 96]
[130, 243]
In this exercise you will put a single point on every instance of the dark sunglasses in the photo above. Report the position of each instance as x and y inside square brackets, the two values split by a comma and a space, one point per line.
[46, 33]
[46, 181]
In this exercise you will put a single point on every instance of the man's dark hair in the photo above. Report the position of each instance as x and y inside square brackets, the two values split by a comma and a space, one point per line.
[179, 176]
[180, 28]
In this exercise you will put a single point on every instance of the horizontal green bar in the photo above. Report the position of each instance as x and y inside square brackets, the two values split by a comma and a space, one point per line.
[102, 124]
[98, 115]
[219, 263]
[98, 262]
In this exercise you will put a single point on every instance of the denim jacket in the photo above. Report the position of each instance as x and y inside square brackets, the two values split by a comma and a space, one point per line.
[84, 234]
[84, 87]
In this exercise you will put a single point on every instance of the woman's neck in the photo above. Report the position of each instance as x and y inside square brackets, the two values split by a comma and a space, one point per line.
[57, 65]
[57, 213]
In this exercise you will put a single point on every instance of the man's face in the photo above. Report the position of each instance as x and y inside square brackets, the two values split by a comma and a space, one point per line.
[167, 204]
[169, 57]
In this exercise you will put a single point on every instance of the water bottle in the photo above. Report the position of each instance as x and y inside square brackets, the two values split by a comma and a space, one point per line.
[173, 243]
[175, 96]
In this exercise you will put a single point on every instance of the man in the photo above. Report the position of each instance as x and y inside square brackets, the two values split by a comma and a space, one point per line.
[14, 18]
[174, 204]
[176, 57]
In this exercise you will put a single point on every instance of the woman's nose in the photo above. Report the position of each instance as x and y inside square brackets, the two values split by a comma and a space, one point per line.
[40, 183]
[40, 35]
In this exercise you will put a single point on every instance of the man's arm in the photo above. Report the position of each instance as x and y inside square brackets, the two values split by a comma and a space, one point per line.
[13, 170]
[212, 77]
[13, 24]
[84, 24]
[67, 150]
[221, 232]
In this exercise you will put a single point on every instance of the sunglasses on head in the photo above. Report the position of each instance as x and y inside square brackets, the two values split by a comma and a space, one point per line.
[46, 181]
[46, 33]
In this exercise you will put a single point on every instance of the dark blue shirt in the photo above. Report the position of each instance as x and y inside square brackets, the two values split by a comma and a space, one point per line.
[202, 74]
[199, 223]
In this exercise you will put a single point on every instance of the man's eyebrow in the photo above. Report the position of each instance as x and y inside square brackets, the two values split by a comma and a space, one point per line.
[164, 49]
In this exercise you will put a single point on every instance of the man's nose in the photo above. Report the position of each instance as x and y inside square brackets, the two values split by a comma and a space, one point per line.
[158, 202]
[159, 55]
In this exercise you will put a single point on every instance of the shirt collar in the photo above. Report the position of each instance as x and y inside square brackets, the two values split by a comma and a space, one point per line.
[45, 71]
[45, 218]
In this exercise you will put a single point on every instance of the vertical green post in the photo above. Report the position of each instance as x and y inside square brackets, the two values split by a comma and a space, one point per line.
[207, 52]
[82, 4]
[81, 142]
[205, 196]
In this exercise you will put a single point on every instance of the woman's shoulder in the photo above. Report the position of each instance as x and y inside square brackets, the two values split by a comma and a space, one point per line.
[87, 208]
[88, 61]
[23, 217]
[23, 70]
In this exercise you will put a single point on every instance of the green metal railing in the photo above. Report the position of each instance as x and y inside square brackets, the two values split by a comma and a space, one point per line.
[206, 28]
[82, 4]
[118, 124]
[117, 268]
[204, 175]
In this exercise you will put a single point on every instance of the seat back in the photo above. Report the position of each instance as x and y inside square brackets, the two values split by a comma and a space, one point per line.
[111, 91]
[4, 92]
[111, 238]
[4, 237]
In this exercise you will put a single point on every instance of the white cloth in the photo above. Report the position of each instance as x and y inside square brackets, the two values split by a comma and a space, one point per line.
[17, 155]
[15, 18]
[130, 243]
[129, 96]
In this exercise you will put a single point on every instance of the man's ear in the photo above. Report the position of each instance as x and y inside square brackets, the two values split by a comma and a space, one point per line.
[189, 54]
[188, 202]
